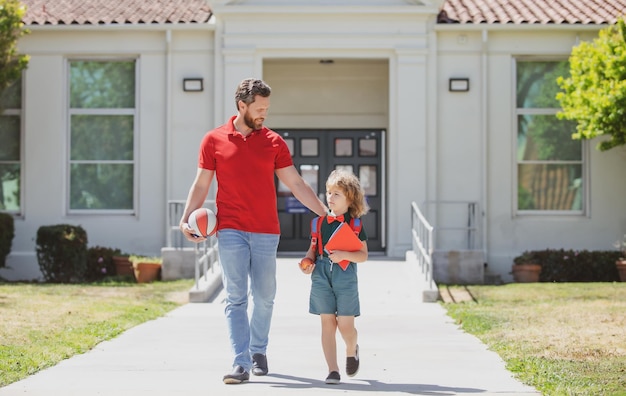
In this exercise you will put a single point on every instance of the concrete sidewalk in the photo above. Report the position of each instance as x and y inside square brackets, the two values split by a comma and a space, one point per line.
[406, 347]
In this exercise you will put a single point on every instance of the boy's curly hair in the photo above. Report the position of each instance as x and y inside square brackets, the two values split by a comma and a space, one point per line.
[351, 186]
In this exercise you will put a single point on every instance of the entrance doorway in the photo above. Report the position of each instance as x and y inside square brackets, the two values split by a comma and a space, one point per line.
[316, 152]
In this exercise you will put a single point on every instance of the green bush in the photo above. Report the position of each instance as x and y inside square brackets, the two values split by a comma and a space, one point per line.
[561, 265]
[62, 253]
[100, 263]
[7, 232]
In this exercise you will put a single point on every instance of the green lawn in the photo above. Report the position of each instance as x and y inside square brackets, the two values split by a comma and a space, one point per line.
[43, 324]
[561, 338]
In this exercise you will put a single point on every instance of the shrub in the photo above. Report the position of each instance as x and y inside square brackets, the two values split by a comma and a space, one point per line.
[7, 232]
[62, 253]
[560, 265]
[100, 263]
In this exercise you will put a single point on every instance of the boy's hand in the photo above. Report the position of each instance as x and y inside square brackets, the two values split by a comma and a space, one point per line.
[307, 265]
[338, 255]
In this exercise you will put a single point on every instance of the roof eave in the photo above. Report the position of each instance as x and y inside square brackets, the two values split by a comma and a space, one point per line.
[518, 26]
[210, 25]
[338, 9]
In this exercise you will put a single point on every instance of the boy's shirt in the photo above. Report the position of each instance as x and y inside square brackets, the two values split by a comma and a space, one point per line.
[328, 229]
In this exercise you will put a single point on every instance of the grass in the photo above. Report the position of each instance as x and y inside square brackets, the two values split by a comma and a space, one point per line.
[561, 338]
[42, 324]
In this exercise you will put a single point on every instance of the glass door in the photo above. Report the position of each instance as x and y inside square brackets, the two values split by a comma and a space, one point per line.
[315, 154]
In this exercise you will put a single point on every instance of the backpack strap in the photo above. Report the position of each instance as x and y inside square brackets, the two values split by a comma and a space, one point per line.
[356, 225]
[316, 233]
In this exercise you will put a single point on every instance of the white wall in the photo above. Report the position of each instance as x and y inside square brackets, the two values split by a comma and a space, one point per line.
[461, 54]
[441, 145]
[458, 175]
[192, 113]
[158, 151]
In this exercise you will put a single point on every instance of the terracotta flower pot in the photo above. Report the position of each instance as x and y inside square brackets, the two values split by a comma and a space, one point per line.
[146, 272]
[525, 273]
[621, 269]
[123, 266]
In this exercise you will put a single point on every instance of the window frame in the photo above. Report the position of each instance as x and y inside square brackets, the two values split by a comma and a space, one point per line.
[21, 114]
[584, 160]
[99, 112]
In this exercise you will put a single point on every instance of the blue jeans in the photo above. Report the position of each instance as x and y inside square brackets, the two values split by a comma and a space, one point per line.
[246, 255]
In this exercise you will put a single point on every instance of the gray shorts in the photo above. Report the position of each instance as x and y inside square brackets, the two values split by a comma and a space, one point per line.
[334, 291]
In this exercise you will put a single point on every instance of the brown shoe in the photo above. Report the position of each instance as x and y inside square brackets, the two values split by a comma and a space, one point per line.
[259, 364]
[238, 375]
[352, 364]
[333, 378]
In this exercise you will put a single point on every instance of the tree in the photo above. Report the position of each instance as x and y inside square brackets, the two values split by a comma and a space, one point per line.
[594, 95]
[11, 29]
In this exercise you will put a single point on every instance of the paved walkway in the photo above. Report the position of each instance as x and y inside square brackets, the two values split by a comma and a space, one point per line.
[407, 347]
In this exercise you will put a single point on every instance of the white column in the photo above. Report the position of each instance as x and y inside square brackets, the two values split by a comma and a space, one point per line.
[407, 144]
[238, 65]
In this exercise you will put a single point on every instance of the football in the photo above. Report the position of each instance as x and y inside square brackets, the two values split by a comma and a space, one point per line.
[203, 222]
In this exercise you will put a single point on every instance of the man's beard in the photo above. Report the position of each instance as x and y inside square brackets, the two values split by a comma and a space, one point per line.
[250, 122]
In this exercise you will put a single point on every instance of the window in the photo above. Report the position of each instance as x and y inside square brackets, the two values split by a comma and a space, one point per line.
[11, 148]
[102, 135]
[549, 162]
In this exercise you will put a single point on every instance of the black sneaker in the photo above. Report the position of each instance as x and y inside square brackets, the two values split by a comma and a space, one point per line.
[352, 364]
[333, 378]
[259, 364]
[238, 376]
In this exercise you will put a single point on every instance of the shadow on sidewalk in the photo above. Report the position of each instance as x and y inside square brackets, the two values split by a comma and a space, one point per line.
[364, 385]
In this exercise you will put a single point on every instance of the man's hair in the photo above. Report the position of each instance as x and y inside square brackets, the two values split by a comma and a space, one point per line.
[249, 88]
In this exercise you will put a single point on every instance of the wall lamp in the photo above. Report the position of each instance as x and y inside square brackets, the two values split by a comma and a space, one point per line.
[193, 84]
[458, 85]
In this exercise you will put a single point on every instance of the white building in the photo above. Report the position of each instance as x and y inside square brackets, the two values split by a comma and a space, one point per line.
[429, 101]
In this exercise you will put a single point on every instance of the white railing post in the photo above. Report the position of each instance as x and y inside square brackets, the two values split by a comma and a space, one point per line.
[423, 243]
[206, 257]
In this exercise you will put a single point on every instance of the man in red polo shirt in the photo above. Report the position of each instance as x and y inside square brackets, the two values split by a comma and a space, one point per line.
[243, 156]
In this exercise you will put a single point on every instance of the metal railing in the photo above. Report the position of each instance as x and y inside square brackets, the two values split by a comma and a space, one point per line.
[207, 259]
[175, 208]
[456, 225]
[206, 254]
[423, 243]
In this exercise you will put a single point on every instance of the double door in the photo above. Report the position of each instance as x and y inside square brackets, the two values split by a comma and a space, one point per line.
[315, 153]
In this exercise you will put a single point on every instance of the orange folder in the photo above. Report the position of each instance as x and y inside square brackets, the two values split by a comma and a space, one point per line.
[344, 239]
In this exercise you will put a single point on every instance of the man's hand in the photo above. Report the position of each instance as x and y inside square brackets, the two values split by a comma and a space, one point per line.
[189, 234]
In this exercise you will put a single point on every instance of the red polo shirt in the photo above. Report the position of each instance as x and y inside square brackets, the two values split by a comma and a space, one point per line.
[244, 169]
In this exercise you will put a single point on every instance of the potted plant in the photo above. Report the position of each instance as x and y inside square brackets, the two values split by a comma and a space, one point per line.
[621, 262]
[146, 269]
[526, 268]
[123, 266]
